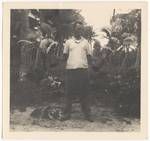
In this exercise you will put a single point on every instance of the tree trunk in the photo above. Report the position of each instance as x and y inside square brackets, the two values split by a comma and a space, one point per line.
[24, 24]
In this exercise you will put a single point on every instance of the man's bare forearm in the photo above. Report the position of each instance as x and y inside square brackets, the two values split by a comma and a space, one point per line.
[65, 57]
[64, 60]
[89, 58]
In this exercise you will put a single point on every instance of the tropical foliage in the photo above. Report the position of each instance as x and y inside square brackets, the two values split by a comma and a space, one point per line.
[117, 73]
[122, 70]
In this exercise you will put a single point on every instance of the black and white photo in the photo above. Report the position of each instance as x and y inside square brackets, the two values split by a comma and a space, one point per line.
[76, 68]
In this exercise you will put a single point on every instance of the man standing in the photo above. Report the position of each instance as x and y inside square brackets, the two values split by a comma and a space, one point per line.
[77, 55]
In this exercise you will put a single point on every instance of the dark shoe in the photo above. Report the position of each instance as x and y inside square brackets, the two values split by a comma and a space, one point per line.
[88, 118]
[65, 118]
[22, 109]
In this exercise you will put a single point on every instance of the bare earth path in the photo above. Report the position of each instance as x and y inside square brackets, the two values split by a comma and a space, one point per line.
[105, 119]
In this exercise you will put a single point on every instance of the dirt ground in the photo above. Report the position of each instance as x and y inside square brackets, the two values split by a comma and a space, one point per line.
[31, 96]
[105, 119]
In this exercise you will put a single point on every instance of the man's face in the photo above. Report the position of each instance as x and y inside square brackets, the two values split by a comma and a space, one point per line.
[78, 30]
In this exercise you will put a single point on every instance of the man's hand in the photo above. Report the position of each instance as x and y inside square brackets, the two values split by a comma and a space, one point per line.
[95, 67]
[65, 57]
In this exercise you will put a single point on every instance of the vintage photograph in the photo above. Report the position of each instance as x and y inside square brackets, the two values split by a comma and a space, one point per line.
[75, 69]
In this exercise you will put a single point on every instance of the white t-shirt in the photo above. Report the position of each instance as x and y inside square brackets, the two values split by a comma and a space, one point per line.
[78, 51]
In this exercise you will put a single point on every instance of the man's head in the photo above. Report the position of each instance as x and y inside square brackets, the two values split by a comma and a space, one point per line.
[78, 29]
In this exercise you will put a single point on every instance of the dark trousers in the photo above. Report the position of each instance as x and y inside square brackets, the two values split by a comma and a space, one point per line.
[77, 85]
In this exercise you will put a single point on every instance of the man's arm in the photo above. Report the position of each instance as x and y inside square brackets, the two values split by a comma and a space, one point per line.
[65, 57]
[89, 58]
[65, 51]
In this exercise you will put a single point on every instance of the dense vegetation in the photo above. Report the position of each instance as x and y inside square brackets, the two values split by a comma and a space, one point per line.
[116, 79]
